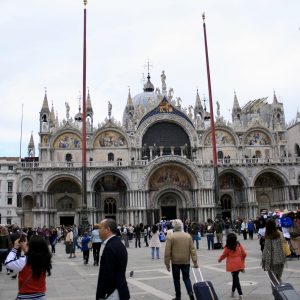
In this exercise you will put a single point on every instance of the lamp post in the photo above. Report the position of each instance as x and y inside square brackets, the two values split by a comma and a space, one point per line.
[212, 124]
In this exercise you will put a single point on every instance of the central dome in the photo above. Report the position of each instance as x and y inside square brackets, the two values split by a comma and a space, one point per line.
[144, 99]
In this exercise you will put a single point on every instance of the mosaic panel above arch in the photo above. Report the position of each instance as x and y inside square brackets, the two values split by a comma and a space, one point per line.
[222, 138]
[257, 138]
[170, 175]
[110, 139]
[67, 141]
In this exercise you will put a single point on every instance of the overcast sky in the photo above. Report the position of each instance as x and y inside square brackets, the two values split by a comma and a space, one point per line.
[254, 49]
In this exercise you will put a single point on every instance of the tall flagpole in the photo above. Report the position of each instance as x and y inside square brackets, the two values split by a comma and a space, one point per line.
[212, 123]
[84, 220]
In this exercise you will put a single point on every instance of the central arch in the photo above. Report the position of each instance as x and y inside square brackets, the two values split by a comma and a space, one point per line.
[169, 203]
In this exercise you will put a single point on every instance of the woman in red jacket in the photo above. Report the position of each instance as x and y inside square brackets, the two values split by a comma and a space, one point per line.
[32, 267]
[235, 256]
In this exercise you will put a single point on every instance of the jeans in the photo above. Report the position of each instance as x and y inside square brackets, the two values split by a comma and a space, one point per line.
[196, 238]
[138, 241]
[236, 282]
[96, 251]
[157, 252]
[185, 270]
[210, 240]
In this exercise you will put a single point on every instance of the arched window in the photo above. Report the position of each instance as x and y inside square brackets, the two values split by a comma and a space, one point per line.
[110, 157]
[297, 150]
[110, 206]
[68, 157]
[258, 154]
[226, 202]
[220, 155]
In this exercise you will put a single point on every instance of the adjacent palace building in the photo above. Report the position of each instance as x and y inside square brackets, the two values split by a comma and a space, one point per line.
[156, 165]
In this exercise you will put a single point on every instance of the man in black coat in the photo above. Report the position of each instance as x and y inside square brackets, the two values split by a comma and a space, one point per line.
[112, 281]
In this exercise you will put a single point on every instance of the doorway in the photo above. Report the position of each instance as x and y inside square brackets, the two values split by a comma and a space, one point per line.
[66, 221]
[168, 212]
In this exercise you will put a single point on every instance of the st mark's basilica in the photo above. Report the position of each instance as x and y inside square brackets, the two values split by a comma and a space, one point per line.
[157, 163]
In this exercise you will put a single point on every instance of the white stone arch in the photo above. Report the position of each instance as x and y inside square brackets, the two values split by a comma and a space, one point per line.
[170, 118]
[65, 130]
[235, 172]
[278, 172]
[262, 129]
[59, 175]
[155, 201]
[111, 128]
[223, 128]
[184, 163]
[118, 174]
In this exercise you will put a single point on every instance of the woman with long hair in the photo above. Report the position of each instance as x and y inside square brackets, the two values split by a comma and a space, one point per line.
[32, 267]
[235, 255]
[273, 257]
[154, 241]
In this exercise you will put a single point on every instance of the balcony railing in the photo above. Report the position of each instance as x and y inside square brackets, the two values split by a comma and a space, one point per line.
[141, 163]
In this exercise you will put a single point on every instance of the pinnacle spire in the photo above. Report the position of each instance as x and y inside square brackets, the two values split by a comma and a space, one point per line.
[148, 87]
[129, 99]
[89, 108]
[45, 106]
[198, 104]
[52, 115]
[275, 101]
[236, 105]
[31, 142]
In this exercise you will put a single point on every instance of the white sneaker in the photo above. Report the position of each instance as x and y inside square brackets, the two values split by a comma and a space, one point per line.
[232, 294]
[241, 297]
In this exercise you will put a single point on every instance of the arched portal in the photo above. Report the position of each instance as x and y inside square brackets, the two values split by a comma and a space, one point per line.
[270, 192]
[110, 197]
[226, 204]
[64, 194]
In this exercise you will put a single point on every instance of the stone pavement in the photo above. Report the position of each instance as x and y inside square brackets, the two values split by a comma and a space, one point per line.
[71, 279]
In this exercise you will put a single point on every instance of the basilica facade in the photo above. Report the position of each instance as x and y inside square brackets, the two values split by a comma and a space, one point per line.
[157, 163]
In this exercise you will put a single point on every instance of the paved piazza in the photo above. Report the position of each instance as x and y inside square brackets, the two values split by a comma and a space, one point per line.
[72, 280]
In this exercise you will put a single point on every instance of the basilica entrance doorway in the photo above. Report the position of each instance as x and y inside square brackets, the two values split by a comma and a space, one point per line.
[66, 220]
[168, 212]
[169, 205]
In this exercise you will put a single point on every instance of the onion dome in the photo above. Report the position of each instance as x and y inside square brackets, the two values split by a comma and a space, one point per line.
[148, 86]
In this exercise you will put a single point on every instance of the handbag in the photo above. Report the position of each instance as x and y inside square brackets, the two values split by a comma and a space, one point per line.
[285, 247]
[90, 244]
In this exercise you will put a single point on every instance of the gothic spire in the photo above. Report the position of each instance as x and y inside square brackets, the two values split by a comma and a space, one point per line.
[198, 105]
[45, 107]
[129, 99]
[275, 101]
[236, 106]
[52, 115]
[89, 109]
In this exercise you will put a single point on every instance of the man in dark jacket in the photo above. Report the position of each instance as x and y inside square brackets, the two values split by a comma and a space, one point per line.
[112, 281]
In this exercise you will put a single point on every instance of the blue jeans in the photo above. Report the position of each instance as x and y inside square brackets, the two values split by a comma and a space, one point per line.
[196, 238]
[153, 251]
[210, 241]
[185, 270]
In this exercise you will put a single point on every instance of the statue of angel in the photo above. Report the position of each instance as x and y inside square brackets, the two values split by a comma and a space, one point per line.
[109, 109]
[67, 110]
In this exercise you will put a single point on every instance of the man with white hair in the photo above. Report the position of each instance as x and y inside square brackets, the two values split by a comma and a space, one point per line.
[179, 251]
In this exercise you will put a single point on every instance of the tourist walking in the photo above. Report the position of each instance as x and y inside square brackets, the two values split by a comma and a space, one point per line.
[96, 244]
[32, 267]
[137, 232]
[112, 280]
[244, 228]
[273, 257]
[179, 251]
[154, 241]
[235, 255]
[210, 234]
[85, 248]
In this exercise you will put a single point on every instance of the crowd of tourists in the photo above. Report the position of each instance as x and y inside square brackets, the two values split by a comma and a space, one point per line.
[20, 249]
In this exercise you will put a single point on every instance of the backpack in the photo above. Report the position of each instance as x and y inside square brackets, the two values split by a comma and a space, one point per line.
[286, 222]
